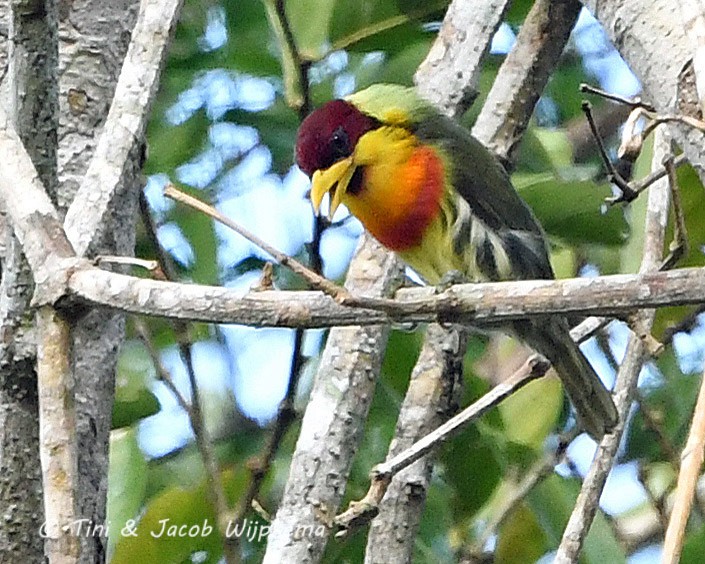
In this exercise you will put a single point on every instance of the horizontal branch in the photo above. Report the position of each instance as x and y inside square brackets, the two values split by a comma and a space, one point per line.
[469, 303]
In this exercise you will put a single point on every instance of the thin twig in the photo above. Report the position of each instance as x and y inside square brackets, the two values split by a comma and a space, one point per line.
[640, 185]
[204, 445]
[315, 280]
[635, 102]
[149, 265]
[679, 247]
[361, 512]
[586, 505]
[660, 119]
[691, 464]
[540, 470]
[215, 490]
[612, 174]
[686, 324]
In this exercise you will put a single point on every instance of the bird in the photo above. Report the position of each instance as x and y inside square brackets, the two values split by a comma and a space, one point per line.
[429, 191]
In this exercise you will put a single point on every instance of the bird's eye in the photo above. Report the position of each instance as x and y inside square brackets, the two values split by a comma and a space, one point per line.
[340, 144]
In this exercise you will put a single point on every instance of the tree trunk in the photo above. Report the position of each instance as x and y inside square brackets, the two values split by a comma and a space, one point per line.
[94, 37]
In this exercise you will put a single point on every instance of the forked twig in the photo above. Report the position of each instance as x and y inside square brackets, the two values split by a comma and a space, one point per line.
[613, 175]
[631, 102]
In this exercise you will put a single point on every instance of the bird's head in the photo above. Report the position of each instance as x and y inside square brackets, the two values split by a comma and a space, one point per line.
[324, 148]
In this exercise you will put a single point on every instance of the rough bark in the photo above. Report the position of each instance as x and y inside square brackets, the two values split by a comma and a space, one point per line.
[436, 382]
[449, 75]
[523, 76]
[492, 302]
[94, 37]
[335, 417]
[29, 92]
[649, 35]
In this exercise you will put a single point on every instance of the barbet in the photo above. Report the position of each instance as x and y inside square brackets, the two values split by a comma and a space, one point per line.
[432, 193]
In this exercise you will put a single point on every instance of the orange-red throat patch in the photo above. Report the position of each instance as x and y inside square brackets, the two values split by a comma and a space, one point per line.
[397, 203]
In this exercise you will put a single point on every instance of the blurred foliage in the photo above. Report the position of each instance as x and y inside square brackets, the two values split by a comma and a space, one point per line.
[345, 46]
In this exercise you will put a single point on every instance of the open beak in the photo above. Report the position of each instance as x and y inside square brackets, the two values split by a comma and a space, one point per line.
[336, 179]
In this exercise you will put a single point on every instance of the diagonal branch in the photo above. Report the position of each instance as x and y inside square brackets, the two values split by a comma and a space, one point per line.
[450, 74]
[334, 419]
[523, 76]
[34, 218]
[433, 394]
[501, 123]
[126, 121]
[625, 387]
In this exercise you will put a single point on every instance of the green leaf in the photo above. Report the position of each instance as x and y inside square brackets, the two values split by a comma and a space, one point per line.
[670, 403]
[473, 468]
[276, 127]
[573, 210]
[553, 500]
[531, 414]
[694, 547]
[133, 398]
[127, 481]
[521, 538]
[400, 357]
[557, 146]
[692, 196]
[250, 41]
[170, 146]
[517, 11]
[178, 523]
[369, 25]
[310, 24]
[199, 231]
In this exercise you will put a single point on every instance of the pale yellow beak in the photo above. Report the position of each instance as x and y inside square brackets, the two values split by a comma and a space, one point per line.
[336, 177]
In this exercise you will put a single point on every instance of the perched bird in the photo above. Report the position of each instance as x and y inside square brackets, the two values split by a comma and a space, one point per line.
[432, 193]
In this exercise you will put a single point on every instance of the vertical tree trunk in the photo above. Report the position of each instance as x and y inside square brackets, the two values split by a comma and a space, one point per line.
[94, 37]
[29, 93]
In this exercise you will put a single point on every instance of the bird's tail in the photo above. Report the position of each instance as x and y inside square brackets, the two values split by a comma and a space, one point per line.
[593, 403]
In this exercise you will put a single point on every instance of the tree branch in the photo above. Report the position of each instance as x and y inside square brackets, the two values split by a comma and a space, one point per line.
[644, 30]
[362, 511]
[433, 394]
[524, 74]
[126, 122]
[215, 490]
[503, 119]
[689, 473]
[34, 218]
[335, 417]
[481, 304]
[625, 388]
[449, 76]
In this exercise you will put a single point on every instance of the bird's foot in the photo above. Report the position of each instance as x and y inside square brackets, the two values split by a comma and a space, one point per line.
[451, 278]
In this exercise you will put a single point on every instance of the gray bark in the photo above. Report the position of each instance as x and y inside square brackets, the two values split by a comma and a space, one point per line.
[29, 91]
[94, 37]
[334, 420]
[649, 35]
